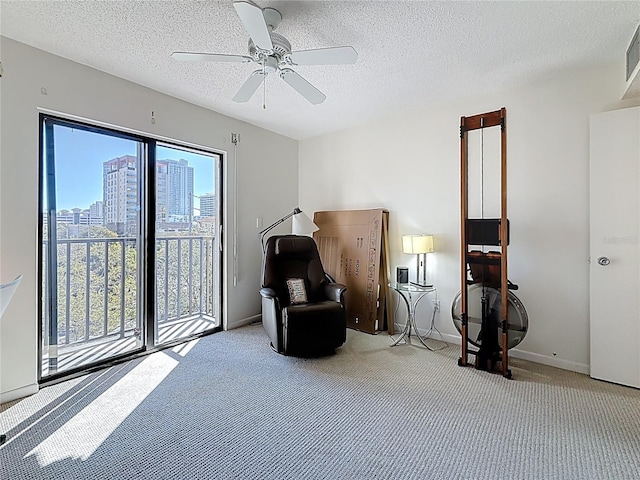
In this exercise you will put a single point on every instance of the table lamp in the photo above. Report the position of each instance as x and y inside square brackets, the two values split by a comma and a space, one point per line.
[419, 245]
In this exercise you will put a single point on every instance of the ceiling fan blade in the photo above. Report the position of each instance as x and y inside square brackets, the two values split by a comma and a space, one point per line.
[254, 23]
[325, 56]
[208, 57]
[303, 87]
[249, 87]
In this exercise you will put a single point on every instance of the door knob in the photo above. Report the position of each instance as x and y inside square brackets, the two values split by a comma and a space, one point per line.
[604, 261]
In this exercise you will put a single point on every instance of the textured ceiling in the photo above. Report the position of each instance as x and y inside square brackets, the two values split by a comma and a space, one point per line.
[412, 54]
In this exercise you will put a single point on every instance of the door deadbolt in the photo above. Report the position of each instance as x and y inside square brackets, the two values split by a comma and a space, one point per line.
[604, 261]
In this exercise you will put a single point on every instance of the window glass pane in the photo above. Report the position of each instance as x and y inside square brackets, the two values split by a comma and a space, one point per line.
[91, 238]
[186, 222]
[95, 230]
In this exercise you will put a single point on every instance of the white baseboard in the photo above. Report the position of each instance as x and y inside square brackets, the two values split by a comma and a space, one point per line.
[244, 321]
[517, 353]
[551, 361]
[435, 335]
[17, 393]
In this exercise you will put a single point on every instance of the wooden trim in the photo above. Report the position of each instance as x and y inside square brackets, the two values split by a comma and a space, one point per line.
[484, 120]
[491, 119]
[385, 271]
[504, 241]
[464, 213]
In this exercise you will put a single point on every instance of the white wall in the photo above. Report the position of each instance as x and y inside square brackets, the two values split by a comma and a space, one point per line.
[410, 165]
[264, 159]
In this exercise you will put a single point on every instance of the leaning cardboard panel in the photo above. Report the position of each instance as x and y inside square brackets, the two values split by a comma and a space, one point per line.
[351, 248]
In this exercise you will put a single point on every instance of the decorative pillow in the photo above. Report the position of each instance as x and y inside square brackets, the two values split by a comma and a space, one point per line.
[297, 291]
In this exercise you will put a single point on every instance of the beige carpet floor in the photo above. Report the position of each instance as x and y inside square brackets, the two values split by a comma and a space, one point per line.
[227, 407]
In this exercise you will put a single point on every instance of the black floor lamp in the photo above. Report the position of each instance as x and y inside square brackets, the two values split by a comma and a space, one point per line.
[300, 224]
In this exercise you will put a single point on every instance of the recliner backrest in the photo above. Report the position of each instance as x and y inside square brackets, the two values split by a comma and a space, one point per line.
[293, 256]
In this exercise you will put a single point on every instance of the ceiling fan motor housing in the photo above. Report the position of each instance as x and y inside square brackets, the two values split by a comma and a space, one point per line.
[272, 18]
[281, 47]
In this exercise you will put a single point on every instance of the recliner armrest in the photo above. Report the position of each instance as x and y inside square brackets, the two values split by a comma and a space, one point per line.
[335, 291]
[268, 293]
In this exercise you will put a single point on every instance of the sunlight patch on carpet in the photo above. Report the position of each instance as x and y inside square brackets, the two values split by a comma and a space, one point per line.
[185, 348]
[85, 432]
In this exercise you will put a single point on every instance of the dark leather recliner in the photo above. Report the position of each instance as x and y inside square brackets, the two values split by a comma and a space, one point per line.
[316, 327]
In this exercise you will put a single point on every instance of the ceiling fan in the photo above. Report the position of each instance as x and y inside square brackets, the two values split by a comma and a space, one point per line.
[273, 52]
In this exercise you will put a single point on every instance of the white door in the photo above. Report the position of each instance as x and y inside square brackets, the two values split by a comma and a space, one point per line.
[615, 246]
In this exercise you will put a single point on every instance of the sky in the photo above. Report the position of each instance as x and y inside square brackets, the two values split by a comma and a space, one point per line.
[79, 156]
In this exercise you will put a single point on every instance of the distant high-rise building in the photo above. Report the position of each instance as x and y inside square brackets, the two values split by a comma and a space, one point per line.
[96, 213]
[174, 193]
[120, 194]
[207, 205]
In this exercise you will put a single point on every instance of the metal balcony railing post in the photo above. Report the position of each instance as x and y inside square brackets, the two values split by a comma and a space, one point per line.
[179, 277]
[87, 307]
[214, 248]
[123, 279]
[190, 282]
[166, 280]
[67, 300]
[155, 279]
[106, 287]
[201, 272]
[210, 247]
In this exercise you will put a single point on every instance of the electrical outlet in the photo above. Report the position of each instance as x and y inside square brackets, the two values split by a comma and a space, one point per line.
[436, 305]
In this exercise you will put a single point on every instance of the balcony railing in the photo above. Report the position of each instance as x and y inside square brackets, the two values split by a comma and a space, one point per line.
[97, 295]
[185, 277]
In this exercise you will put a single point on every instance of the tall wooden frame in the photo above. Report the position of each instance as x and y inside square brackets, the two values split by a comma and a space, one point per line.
[467, 124]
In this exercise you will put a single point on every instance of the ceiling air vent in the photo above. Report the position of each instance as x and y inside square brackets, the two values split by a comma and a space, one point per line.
[633, 53]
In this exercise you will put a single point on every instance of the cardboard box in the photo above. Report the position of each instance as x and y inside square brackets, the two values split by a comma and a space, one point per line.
[352, 246]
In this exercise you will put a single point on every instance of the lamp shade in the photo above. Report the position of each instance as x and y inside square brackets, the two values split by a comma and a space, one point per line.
[301, 224]
[417, 243]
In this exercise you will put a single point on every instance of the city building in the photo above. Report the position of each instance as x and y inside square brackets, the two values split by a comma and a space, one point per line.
[174, 194]
[207, 205]
[96, 213]
[78, 216]
[120, 194]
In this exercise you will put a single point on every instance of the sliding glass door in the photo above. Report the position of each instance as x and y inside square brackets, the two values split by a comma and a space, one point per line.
[186, 243]
[130, 253]
[91, 245]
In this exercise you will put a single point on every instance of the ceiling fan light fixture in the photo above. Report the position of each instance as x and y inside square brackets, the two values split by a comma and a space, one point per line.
[270, 65]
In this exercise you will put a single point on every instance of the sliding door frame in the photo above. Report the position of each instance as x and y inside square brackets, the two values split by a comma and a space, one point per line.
[147, 162]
